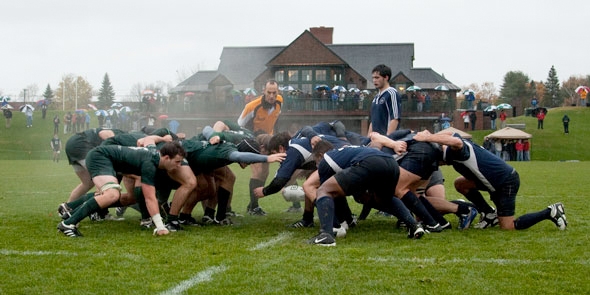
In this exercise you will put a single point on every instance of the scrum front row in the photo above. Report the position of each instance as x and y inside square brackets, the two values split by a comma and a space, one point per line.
[381, 172]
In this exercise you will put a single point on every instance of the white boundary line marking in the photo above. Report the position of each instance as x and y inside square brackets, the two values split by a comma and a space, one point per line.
[279, 238]
[200, 277]
[35, 253]
[498, 261]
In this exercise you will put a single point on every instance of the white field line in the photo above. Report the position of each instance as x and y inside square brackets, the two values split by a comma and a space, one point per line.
[498, 261]
[279, 238]
[35, 253]
[200, 277]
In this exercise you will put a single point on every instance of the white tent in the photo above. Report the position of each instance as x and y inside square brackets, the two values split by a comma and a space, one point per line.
[455, 130]
[509, 133]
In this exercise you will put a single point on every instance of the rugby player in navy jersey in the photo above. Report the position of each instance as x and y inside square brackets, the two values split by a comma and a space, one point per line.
[482, 171]
[353, 170]
[386, 105]
[299, 157]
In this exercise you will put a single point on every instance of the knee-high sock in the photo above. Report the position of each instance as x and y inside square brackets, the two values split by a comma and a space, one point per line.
[254, 183]
[412, 202]
[84, 210]
[480, 203]
[77, 203]
[139, 198]
[325, 206]
[399, 210]
[433, 212]
[530, 219]
[342, 211]
[222, 201]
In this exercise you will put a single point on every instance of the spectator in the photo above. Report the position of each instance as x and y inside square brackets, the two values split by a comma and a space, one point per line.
[55, 124]
[502, 119]
[540, 119]
[566, 124]
[7, 116]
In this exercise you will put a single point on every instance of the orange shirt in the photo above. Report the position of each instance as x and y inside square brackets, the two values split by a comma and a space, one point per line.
[257, 118]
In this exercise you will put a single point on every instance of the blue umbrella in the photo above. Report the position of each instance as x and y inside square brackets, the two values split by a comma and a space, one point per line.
[101, 113]
[322, 87]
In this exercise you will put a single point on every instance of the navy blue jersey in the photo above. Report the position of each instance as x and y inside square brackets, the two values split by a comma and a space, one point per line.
[337, 160]
[385, 107]
[477, 164]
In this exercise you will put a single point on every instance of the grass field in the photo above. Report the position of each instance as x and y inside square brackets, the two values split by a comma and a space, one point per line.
[260, 255]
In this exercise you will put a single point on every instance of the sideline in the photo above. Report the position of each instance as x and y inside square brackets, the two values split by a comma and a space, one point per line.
[200, 277]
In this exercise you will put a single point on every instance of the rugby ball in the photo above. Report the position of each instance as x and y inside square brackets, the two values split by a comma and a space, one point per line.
[293, 193]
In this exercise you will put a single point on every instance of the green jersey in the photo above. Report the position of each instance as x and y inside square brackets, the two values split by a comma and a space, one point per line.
[203, 157]
[80, 143]
[110, 159]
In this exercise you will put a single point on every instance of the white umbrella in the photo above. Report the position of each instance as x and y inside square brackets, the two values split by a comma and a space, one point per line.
[93, 107]
[413, 88]
[468, 91]
[7, 107]
[441, 88]
[504, 106]
[116, 105]
[490, 108]
[354, 89]
[249, 91]
[339, 88]
[24, 108]
[288, 88]
[125, 109]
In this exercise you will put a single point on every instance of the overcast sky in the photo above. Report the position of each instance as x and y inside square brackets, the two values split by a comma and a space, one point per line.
[146, 41]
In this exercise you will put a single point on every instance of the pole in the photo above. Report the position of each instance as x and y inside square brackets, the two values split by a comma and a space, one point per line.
[76, 94]
[24, 96]
[63, 95]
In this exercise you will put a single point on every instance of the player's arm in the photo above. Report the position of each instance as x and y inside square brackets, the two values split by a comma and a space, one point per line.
[151, 202]
[392, 126]
[382, 140]
[444, 138]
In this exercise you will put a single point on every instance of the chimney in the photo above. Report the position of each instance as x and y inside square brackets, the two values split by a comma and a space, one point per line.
[324, 34]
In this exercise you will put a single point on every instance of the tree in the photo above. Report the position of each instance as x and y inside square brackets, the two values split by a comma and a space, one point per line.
[516, 90]
[106, 93]
[48, 94]
[568, 88]
[73, 92]
[552, 94]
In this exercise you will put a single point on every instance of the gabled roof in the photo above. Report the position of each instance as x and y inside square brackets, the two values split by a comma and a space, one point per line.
[427, 78]
[197, 82]
[242, 65]
[306, 50]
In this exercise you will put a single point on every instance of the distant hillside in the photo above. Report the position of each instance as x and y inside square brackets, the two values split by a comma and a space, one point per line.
[550, 144]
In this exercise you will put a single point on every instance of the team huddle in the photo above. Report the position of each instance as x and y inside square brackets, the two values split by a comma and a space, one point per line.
[393, 171]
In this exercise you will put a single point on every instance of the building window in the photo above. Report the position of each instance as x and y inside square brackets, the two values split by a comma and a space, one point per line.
[280, 76]
[293, 75]
[320, 75]
[305, 75]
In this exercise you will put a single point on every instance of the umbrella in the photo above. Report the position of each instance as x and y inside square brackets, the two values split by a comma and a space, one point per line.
[163, 117]
[126, 109]
[469, 91]
[288, 88]
[113, 111]
[490, 108]
[354, 89]
[189, 93]
[366, 91]
[7, 107]
[42, 102]
[339, 88]
[539, 109]
[579, 89]
[23, 108]
[504, 106]
[93, 107]
[322, 87]
[5, 98]
[116, 105]
[249, 91]
[413, 88]
[101, 113]
[81, 111]
[441, 88]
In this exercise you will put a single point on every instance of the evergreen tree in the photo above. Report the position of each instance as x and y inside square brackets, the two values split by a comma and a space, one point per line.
[552, 93]
[515, 90]
[48, 94]
[106, 93]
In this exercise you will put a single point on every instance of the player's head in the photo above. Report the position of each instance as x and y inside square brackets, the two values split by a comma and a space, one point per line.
[171, 155]
[278, 140]
[263, 140]
[271, 90]
[320, 149]
[249, 145]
